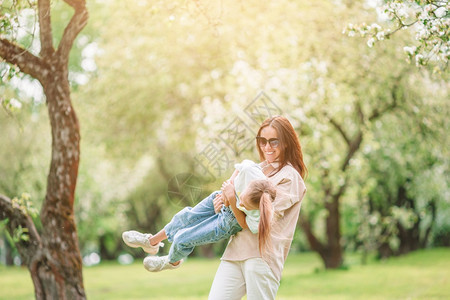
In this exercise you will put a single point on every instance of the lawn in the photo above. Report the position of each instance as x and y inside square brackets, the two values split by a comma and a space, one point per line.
[419, 275]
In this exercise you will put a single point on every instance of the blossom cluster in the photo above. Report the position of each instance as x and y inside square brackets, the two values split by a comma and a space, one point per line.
[430, 21]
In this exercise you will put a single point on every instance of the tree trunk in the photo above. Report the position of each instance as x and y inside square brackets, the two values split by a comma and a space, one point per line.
[426, 236]
[384, 250]
[409, 237]
[333, 258]
[61, 274]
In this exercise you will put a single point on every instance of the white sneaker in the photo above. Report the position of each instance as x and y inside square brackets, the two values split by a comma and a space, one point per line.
[159, 263]
[136, 239]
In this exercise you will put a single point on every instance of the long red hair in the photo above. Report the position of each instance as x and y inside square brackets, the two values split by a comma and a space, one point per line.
[291, 150]
[261, 194]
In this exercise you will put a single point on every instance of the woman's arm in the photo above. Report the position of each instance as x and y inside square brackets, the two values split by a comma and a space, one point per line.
[229, 193]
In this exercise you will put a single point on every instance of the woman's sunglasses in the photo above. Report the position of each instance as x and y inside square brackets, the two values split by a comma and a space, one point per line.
[263, 142]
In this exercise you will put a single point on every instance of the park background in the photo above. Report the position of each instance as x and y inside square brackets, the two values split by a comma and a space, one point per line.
[169, 97]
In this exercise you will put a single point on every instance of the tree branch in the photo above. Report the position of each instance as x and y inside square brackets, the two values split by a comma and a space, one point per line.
[27, 62]
[76, 24]
[353, 147]
[360, 112]
[378, 113]
[45, 28]
[340, 129]
[16, 217]
[400, 26]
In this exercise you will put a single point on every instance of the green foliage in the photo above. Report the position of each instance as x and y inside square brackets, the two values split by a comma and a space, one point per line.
[415, 163]
[20, 234]
[25, 205]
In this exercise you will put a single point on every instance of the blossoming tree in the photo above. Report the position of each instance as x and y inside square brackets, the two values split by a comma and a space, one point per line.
[428, 19]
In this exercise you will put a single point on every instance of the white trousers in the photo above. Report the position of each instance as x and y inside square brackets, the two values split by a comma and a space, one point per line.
[253, 277]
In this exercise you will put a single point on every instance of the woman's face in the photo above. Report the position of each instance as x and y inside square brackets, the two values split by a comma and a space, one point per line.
[271, 154]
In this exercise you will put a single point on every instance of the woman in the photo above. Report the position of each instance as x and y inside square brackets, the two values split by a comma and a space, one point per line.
[243, 270]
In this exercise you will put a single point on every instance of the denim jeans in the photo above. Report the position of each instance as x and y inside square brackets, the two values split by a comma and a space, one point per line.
[199, 225]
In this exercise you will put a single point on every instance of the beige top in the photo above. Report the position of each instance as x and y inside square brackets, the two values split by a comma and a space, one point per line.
[290, 191]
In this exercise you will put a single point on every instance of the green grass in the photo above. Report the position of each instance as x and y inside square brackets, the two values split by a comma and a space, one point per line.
[419, 275]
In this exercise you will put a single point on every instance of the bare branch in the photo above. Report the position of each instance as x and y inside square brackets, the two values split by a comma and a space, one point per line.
[400, 26]
[76, 24]
[27, 62]
[360, 113]
[378, 113]
[45, 28]
[353, 147]
[340, 129]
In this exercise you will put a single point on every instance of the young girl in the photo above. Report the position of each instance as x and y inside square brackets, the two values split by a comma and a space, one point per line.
[247, 190]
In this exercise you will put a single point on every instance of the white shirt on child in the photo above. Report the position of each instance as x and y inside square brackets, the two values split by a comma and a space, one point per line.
[248, 171]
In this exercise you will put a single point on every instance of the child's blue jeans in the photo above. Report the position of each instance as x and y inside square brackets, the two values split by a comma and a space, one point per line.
[199, 225]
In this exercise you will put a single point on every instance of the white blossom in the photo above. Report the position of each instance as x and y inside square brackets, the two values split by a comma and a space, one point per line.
[419, 59]
[370, 42]
[380, 35]
[440, 12]
[15, 103]
[375, 26]
[427, 19]
[410, 50]
[402, 13]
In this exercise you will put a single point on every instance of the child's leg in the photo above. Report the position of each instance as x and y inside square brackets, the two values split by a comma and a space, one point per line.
[210, 230]
[189, 216]
[215, 228]
[186, 217]
[159, 237]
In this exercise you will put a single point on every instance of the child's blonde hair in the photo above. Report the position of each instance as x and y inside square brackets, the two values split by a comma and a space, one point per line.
[261, 194]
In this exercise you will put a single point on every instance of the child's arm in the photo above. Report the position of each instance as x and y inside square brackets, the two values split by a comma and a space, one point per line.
[219, 201]
[229, 194]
